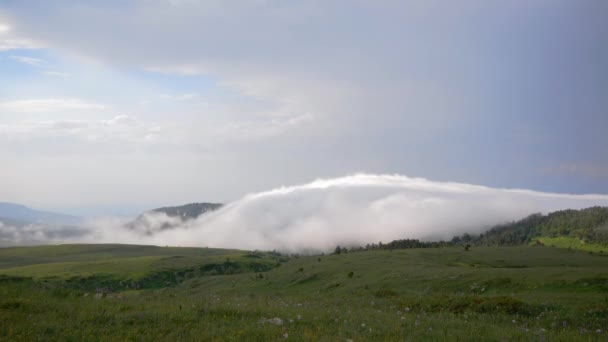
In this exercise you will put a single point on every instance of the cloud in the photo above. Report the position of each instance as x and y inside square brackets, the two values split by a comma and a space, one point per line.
[120, 128]
[10, 41]
[57, 74]
[352, 210]
[7, 44]
[36, 62]
[254, 130]
[37, 233]
[180, 97]
[49, 105]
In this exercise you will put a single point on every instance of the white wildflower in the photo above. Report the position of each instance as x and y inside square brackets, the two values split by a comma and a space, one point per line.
[275, 321]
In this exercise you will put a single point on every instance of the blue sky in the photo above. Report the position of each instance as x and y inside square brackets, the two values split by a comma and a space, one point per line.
[106, 104]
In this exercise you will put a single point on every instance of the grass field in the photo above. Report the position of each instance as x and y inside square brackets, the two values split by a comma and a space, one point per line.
[510, 293]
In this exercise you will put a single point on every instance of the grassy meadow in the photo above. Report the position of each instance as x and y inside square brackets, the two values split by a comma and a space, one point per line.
[485, 294]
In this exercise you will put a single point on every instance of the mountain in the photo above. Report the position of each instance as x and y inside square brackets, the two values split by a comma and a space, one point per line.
[187, 211]
[22, 226]
[159, 219]
[24, 214]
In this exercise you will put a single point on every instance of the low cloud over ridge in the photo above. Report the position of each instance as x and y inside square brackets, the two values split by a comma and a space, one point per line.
[352, 210]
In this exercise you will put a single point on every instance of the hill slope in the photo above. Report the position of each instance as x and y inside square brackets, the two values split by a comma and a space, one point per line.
[589, 225]
[89, 266]
[488, 293]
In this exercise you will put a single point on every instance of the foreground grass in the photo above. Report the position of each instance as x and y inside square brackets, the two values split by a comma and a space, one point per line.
[517, 293]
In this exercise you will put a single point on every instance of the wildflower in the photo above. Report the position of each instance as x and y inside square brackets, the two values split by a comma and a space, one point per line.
[299, 317]
[402, 318]
[599, 331]
[407, 309]
[275, 321]
[363, 325]
[285, 335]
[513, 321]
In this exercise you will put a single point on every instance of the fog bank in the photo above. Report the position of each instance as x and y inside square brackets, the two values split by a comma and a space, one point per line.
[352, 210]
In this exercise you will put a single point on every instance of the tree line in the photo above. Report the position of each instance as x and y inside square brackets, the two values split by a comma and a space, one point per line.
[589, 225]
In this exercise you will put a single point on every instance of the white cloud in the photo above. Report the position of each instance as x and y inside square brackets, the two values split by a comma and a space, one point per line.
[57, 74]
[11, 41]
[261, 129]
[121, 128]
[7, 44]
[4, 28]
[353, 210]
[50, 105]
[36, 62]
[180, 97]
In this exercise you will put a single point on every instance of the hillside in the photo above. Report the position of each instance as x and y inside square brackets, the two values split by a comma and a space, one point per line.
[488, 293]
[588, 225]
[89, 266]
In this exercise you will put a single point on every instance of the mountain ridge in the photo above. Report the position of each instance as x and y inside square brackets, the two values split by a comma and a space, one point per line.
[23, 213]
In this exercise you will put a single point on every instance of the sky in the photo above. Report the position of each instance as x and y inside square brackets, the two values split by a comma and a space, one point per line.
[110, 107]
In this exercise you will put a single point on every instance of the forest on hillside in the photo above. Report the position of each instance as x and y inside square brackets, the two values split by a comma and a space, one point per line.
[589, 225]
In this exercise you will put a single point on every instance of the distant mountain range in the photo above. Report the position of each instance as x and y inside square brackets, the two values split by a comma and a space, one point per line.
[20, 225]
[23, 214]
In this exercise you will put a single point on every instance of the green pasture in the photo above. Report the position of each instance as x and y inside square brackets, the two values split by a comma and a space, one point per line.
[485, 294]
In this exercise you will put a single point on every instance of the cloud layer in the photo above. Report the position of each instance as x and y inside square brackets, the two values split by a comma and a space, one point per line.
[352, 211]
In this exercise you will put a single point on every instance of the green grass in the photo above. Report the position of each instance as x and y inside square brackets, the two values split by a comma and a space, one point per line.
[574, 243]
[486, 294]
[123, 266]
